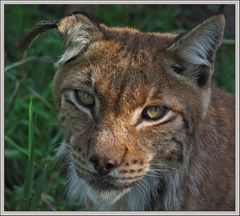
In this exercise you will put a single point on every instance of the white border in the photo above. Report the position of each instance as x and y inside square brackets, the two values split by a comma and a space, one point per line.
[236, 3]
[237, 104]
[2, 109]
[64, 2]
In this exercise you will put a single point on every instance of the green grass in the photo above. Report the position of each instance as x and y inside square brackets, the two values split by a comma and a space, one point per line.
[27, 190]
[32, 181]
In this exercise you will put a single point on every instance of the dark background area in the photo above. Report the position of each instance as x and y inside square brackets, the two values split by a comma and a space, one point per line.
[30, 76]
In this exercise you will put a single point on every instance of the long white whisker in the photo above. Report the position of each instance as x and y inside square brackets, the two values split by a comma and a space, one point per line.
[140, 192]
[142, 189]
[156, 176]
[164, 167]
[144, 185]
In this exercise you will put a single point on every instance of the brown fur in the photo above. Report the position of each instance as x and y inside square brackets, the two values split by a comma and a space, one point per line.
[129, 70]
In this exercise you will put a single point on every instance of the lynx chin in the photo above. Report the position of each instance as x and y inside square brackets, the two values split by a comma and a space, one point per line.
[144, 127]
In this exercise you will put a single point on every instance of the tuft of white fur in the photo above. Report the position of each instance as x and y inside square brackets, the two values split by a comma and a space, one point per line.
[76, 38]
[197, 50]
[140, 197]
[77, 187]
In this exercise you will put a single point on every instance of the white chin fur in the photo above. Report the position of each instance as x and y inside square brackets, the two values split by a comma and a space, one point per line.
[105, 198]
[131, 199]
[79, 190]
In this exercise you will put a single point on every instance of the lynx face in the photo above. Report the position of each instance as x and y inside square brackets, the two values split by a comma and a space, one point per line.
[122, 117]
[129, 103]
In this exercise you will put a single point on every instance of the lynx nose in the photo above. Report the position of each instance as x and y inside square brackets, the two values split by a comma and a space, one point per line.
[102, 165]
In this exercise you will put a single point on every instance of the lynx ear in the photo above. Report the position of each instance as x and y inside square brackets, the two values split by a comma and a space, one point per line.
[200, 44]
[77, 31]
[198, 47]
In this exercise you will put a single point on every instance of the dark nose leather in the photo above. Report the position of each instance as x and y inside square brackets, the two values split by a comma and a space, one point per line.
[102, 165]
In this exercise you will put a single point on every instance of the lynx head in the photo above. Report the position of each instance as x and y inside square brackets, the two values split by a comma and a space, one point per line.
[128, 103]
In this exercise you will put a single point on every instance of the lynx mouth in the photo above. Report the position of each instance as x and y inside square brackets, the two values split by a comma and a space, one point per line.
[106, 191]
[104, 184]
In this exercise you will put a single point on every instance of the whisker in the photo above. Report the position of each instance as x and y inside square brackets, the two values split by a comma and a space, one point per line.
[144, 185]
[155, 176]
[142, 188]
[67, 145]
[140, 193]
[158, 170]
[166, 166]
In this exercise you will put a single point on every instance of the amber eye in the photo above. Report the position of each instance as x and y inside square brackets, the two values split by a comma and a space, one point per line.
[84, 98]
[154, 112]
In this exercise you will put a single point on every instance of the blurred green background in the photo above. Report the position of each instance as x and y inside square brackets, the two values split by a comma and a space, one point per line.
[31, 130]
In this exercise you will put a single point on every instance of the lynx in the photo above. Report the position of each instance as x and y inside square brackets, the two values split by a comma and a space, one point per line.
[144, 127]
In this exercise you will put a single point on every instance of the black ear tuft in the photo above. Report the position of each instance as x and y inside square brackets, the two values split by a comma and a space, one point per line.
[220, 9]
[41, 27]
[78, 31]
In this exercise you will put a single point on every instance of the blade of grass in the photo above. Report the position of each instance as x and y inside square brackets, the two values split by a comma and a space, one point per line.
[16, 146]
[48, 203]
[30, 166]
[228, 42]
[48, 105]
[39, 188]
[12, 154]
[19, 63]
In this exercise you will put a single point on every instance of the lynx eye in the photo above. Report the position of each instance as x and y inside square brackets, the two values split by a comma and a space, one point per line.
[84, 98]
[177, 69]
[154, 112]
